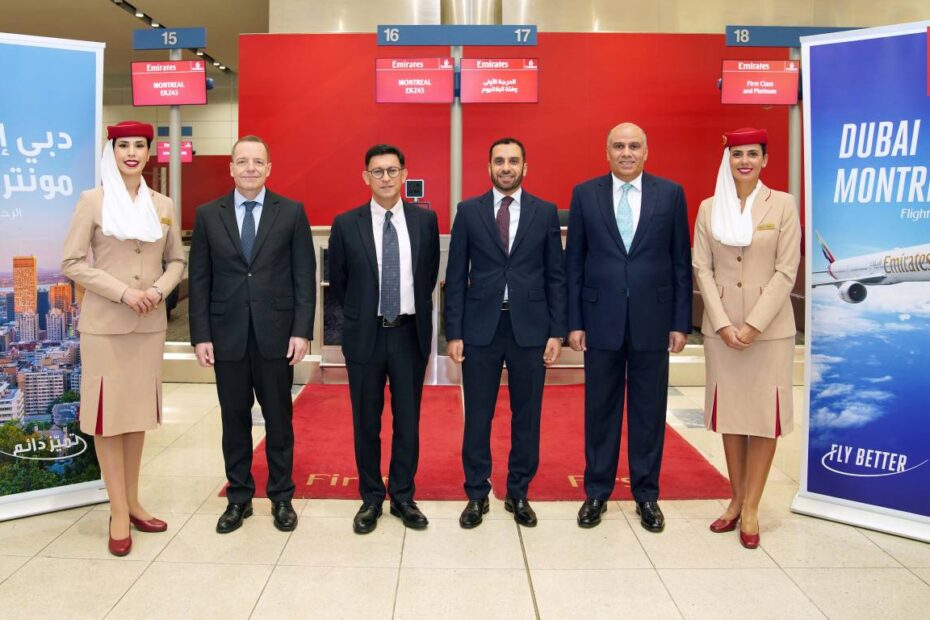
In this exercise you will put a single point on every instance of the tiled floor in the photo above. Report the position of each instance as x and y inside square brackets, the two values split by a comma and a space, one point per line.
[806, 568]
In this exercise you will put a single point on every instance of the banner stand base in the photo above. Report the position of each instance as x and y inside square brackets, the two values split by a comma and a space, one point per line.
[859, 517]
[52, 500]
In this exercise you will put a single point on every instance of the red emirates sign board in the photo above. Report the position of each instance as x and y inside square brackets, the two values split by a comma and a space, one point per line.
[187, 152]
[181, 82]
[414, 80]
[500, 80]
[765, 82]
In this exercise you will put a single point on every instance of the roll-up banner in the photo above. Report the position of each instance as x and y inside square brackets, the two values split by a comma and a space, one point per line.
[50, 140]
[866, 459]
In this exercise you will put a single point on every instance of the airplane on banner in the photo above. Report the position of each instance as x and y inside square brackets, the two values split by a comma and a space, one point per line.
[851, 275]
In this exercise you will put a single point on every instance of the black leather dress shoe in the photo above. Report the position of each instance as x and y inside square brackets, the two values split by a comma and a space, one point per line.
[409, 514]
[285, 519]
[589, 515]
[472, 515]
[366, 519]
[231, 520]
[522, 512]
[650, 516]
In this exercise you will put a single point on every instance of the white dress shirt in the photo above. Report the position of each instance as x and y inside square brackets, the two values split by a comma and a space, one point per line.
[634, 197]
[514, 219]
[239, 201]
[407, 305]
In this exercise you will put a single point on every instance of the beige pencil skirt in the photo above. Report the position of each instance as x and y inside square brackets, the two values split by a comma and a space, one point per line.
[121, 382]
[749, 392]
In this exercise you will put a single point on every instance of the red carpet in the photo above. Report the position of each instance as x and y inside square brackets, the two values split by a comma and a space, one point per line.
[324, 454]
[324, 461]
[685, 473]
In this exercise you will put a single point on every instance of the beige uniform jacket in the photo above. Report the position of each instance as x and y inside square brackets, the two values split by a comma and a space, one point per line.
[751, 284]
[119, 265]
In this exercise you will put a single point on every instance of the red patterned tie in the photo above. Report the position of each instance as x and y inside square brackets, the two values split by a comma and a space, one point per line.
[503, 222]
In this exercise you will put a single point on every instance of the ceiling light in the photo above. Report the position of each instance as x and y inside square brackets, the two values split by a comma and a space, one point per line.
[200, 52]
[216, 63]
[155, 24]
[222, 67]
[140, 14]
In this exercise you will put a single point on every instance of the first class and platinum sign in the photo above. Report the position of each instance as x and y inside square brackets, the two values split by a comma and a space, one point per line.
[764, 82]
[432, 80]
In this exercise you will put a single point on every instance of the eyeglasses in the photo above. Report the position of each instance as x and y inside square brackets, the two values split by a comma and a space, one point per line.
[378, 173]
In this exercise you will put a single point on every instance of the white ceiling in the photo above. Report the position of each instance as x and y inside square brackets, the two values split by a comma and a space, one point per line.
[102, 20]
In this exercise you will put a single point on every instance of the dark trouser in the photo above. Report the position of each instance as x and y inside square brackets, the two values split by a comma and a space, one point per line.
[396, 356]
[606, 376]
[237, 384]
[481, 377]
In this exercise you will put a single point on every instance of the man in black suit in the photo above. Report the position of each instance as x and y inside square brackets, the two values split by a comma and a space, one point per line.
[629, 304]
[383, 265]
[252, 300]
[505, 301]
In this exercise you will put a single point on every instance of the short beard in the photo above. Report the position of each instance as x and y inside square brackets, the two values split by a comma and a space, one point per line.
[518, 180]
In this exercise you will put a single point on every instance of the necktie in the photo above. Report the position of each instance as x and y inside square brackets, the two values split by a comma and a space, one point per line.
[248, 229]
[503, 222]
[625, 217]
[390, 270]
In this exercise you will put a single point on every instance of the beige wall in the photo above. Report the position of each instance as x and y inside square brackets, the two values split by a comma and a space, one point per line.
[348, 15]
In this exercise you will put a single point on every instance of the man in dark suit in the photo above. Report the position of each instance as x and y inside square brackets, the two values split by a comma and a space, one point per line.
[628, 259]
[383, 265]
[252, 301]
[505, 301]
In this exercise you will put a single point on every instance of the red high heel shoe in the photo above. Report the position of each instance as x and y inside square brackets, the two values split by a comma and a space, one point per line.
[750, 541]
[722, 525]
[153, 525]
[119, 547]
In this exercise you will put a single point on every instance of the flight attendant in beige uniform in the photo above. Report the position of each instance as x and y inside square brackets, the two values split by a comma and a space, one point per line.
[747, 246]
[120, 235]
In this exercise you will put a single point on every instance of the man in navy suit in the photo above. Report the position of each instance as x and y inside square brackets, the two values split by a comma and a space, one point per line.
[383, 265]
[628, 260]
[505, 301]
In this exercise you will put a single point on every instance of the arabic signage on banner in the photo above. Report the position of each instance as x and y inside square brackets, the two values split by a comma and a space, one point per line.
[187, 152]
[764, 82]
[49, 150]
[414, 80]
[500, 80]
[867, 148]
[182, 82]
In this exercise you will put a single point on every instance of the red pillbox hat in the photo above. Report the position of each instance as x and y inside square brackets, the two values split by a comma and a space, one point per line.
[746, 135]
[130, 129]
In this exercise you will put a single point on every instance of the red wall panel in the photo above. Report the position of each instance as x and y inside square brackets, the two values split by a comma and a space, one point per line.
[202, 180]
[312, 98]
[665, 83]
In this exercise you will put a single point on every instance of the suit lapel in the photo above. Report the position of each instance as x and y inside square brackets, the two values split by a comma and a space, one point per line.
[412, 219]
[228, 217]
[647, 209]
[270, 212]
[368, 237]
[527, 212]
[605, 201]
[486, 215]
